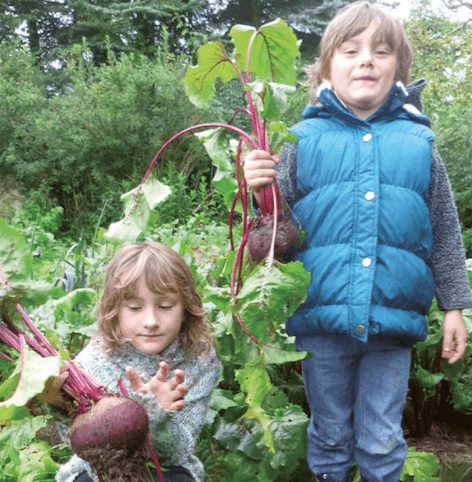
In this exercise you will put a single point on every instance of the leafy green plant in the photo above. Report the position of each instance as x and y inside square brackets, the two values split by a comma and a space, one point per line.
[435, 386]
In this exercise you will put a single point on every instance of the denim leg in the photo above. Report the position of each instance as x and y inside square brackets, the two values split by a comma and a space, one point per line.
[329, 384]
[357, 393]
[380, 448]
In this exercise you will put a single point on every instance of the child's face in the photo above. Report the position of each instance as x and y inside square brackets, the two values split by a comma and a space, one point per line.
[150, 322]
[362, 72]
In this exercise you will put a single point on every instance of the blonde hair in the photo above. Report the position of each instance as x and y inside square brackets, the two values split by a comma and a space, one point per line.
[163, 271]
[349, 22]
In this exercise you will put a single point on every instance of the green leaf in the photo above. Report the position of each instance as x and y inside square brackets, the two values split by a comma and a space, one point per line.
[36, 463]
[268, 298]
[140, 210]
[18, 434]
[74, 298]
[213, 63]
[254, 380]
[222, 153]
[425, 379]
[30, 376]
[273, 97]
[421, 466]
[278, 135]
[289, 429]
[16, 262]
[279, 354]
[222, 399]
[219, 296]
[273, 51]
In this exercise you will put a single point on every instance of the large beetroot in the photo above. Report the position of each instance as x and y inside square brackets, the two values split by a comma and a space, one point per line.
[261, 229]
[260, 238]
[112, 438]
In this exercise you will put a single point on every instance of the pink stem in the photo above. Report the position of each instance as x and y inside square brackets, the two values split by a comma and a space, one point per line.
[40, 337]
[6, 357]
[248, 138]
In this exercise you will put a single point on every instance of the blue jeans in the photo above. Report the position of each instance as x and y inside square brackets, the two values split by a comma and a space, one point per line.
[357, 393]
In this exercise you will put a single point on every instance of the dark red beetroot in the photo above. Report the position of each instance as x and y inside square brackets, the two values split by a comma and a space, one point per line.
[287, 238]
[112, 438]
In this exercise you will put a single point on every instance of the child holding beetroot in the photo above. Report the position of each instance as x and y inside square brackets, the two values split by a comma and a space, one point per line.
[371, 191]
[151, 322]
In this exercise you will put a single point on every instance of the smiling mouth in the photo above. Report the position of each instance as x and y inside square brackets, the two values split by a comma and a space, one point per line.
[364, 79]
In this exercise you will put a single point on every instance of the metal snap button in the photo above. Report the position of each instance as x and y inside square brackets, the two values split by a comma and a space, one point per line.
[367, 137]
[360, 329]
[366, 262]
[370, 195]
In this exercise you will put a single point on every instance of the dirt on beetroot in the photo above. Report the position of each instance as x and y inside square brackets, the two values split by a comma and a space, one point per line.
[287, 239]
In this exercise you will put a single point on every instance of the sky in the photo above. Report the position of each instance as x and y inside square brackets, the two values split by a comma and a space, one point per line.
[406, 6]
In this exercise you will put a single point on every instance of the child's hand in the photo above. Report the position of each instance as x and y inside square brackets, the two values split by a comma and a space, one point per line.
[169, 393]
[455, 335]
[52, 392]
[259, 170]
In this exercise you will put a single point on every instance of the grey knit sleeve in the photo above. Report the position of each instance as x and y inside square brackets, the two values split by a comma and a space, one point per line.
[448, 255]
[287, 169]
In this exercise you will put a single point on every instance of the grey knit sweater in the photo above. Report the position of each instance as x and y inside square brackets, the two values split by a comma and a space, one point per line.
[174, 434]
[448, 257]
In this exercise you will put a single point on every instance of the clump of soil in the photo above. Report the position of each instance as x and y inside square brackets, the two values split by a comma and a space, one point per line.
[287, 239]
[117, 464]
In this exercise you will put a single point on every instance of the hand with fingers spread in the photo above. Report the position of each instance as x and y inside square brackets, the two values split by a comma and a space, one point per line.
[52, 392]
[455, 336]
[168, 392]
[260, 170]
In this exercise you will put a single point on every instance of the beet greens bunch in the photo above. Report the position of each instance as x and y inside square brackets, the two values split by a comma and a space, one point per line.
[264, 62]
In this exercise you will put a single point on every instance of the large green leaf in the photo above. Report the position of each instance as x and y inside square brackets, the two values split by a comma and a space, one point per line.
[254, 380]
[140, 210]
[27, 380]
[16, 262]
[269, 297]
[273, 51]
[421, 466]
[213, 63]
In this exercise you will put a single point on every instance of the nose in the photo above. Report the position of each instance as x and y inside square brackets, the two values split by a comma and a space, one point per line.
[366, 57]
[150, 319]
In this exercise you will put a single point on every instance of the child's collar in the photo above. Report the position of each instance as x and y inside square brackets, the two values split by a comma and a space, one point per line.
[396, 98]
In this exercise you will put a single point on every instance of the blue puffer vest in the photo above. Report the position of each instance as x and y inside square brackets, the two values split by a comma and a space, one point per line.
[363, 189]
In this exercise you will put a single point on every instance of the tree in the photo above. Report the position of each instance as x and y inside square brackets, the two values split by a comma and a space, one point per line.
[96, 140]
[50, 27]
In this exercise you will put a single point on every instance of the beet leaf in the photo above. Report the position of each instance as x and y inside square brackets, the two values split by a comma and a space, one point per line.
[27, 380]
